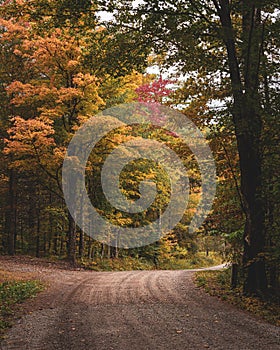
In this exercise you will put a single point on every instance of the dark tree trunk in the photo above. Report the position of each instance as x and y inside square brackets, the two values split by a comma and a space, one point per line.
[248, 126]
[61, 246]
[21, 236]
[234, 275]
[11, 214]
[71, 244]
[248, 141]
[55, 244]
[38, 235]
[81, 244]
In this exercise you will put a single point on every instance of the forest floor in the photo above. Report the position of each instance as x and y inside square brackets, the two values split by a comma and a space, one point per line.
[138, 310]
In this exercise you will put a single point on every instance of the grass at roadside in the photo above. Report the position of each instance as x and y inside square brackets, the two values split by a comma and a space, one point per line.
[13, 293]
[217, 283]
[129, 263]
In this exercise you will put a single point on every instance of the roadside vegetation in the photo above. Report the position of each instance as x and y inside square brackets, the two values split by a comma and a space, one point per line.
[61, 64]
[128, 263]
[218, 283]
[12, 294]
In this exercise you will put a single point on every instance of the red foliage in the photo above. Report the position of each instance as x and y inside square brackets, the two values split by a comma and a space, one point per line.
[155, 92]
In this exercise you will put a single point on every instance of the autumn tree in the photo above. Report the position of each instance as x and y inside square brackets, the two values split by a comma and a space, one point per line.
[226, 40]
[52, 83]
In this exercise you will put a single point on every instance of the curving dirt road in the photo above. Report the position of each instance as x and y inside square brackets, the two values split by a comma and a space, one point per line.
[139, 310]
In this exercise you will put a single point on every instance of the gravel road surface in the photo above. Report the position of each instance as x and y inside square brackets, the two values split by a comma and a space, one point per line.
[139, 310]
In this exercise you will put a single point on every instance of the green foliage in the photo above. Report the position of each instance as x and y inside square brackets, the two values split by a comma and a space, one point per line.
[146, 262]
[199, 260]
[121, 264]
[61, 65]
[12, 294]
[234, 249]
[235, 46]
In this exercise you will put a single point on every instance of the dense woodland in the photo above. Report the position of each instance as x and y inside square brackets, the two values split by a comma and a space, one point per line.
[217, 61]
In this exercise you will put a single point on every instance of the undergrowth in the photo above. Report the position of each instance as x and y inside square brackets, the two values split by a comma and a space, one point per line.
[217, 283]
[13, 293]
[129, 263]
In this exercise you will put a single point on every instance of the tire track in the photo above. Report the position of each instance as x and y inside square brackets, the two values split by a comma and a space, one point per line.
[141, 310]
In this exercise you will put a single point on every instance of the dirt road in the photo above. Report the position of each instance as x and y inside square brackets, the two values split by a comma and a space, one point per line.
[141, 310]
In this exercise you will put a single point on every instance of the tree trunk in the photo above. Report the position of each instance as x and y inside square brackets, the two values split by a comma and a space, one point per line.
[61, 246]
[71, 244]
[248, 127]
[102, 250]
[11, 226]
[81, 244]
[38, 235]
[89, 248]
[248, 132]
[108, 252]
[234, 275]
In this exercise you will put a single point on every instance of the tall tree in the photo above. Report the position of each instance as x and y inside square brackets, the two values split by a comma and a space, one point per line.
[223, 38]
[55, 75]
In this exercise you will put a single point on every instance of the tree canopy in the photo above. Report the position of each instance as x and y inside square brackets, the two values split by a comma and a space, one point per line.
[62, 64]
